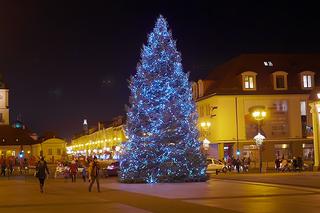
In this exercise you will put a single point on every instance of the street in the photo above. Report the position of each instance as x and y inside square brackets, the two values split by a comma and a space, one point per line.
[285, 192]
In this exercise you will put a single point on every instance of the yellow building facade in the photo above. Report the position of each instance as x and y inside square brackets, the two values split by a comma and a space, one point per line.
[52, 149]
[105, 143]
[231, 92]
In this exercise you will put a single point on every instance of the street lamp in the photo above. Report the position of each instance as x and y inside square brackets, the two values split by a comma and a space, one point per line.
[259, 114]
[205, 126]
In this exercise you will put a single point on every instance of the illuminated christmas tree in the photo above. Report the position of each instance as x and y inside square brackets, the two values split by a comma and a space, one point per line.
[161, 119]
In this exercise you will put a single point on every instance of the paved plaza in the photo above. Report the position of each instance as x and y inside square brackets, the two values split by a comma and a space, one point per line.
[291, 192]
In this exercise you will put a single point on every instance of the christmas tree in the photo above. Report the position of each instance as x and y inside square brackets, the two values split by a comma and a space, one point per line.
[161, 119]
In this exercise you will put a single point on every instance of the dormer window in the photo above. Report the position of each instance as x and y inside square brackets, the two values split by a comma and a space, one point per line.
[307, 80]
[200, 88]
[280, 80]
[249, 80]
[194, 90]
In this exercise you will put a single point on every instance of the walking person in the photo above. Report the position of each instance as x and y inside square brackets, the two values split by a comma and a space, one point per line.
[94, 174]
[42, 172]
[238, 164]
[277, 164]
[73, 171]
[11, 167]
[84, 173]
[3, 166]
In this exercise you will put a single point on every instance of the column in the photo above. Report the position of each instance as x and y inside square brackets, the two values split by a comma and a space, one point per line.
[315, 124]
[221, 150]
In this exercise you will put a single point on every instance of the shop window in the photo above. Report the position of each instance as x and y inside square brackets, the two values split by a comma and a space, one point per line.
[308, 151]
[282, 151]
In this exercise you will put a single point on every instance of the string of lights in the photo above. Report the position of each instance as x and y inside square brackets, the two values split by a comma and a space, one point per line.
[161, 120]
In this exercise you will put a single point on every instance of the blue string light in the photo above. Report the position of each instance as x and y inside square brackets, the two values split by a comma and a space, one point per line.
[161, 120]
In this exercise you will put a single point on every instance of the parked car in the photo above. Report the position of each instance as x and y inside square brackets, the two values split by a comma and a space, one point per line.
[215, 165]
[112, 169]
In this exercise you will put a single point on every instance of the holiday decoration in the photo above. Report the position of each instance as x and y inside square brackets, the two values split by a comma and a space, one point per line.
[162, 141]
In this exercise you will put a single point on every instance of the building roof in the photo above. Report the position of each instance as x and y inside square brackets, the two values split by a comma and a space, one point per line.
[227, 79]
[11, 136]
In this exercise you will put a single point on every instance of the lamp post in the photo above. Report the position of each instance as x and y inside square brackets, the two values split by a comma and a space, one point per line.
[259, 114]
[205, 126]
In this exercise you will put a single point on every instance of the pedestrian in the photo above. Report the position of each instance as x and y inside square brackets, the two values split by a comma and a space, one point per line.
[277, 164]
[73, 171]
[94, 173]
[84, 173]
[41, 172]
[3, 166]
[238, 163]
[11, 166]
[294, 163]
[300, 164]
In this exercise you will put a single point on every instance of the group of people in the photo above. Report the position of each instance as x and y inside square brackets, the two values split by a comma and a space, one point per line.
[7, 165]
[240, 164]
[42, 172]
[284, 165]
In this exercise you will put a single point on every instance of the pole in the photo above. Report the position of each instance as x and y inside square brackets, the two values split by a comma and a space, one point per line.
[260, 150]
[260, 163]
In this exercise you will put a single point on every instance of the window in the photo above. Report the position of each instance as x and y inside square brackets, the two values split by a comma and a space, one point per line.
[49, 151]
[249, 80]
[280, 80]
[200, 88]
[194, 90]
[307, 80]
[58, 151]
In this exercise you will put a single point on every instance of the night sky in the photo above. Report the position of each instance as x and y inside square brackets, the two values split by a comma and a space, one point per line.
[66, 62]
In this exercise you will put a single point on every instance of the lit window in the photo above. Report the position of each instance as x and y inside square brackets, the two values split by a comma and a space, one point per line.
[307, 83]
[249, 80]
[49, 151]
[266, 63]
[307, 80]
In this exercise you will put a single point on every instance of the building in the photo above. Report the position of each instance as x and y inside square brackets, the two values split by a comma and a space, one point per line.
[280, 84]
[104, 141]
[4, 103]
[17, 141]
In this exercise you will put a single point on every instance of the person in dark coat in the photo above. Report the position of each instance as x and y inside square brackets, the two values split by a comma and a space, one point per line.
[3, 166]
[277, 163]
[94, 174]
[42, 171]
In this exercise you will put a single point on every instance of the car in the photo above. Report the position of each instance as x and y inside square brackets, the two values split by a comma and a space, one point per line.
[214, 165]
[112, 169]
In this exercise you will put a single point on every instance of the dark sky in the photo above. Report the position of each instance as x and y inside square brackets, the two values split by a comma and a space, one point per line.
[64, 62]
